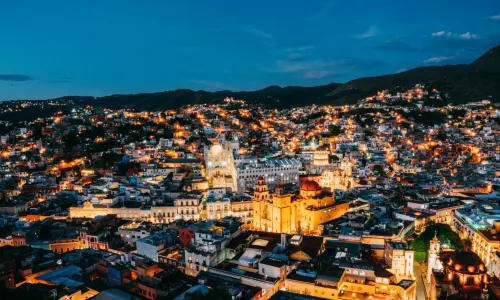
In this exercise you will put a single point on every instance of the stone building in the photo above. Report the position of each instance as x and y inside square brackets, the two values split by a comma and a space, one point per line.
[290, 213]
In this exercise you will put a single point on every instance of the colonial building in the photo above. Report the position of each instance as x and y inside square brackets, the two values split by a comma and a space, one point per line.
[400, 260]
[293, 213]
[339, 179]
[219, 165]
[217, 208]
[486, 242]
[271, 171]
[321, 158]
[455, 272]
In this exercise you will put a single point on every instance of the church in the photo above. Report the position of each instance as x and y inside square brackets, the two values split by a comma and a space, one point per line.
[455, 272]
[219, 165]
[294, 213]
[339, 179]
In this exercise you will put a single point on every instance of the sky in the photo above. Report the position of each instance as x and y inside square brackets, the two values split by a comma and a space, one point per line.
[99, 47]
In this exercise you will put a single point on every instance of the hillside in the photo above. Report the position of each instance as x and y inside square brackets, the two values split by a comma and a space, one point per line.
[360, 88]
[273, 96]
[476, 81]
[464, 83]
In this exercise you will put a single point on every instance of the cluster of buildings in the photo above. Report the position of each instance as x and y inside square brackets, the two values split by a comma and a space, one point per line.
[250, 202]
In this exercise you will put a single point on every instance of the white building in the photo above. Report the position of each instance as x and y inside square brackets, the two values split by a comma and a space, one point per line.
[188, 206]
[166, 143]
[219, 164]
[208, 249]
[153, 171]
[218, 208]
[132, 232]
[156, 244]
[399, 259]
[273, 170]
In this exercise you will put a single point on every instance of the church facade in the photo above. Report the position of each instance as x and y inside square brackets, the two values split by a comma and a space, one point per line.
[219, 166]
[291, 213]
[455, 272]
[339, 179]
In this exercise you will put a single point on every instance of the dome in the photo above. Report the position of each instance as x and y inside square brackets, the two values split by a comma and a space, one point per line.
[466, 262]
[310, 186]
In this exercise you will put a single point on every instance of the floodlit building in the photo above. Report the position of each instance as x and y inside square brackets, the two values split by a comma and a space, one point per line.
[293, 213]
[219, 165]
[456, 272]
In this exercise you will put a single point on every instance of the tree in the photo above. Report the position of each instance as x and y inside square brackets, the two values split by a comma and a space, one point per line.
[445, 235]
[45, 233]
[364, 161]
[378, 169]
[70, 140]
[334, 130]
[170, 176]
[110, 158]
[334, 158]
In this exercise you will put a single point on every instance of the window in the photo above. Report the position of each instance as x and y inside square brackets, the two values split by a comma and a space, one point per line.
[263, 271]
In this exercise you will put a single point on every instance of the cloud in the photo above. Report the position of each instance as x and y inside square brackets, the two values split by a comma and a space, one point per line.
[295, 56]
[371, 32]
[438, 59]
[439, 33]
[292, 66]
[299, 48]
[464, 36]
[215, 85]
[497, 17]
[15, 77]
[401, 70]
[467, 36]
[256, 32]
[317, 74]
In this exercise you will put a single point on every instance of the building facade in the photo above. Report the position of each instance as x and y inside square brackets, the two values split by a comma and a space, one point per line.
[293, 213]
[285, 171]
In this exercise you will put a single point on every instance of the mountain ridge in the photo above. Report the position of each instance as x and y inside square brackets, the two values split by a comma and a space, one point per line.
[464, 83]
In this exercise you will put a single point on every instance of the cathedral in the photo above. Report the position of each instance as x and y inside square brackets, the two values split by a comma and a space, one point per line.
[294, 213]
[339, 179]
[219, 165]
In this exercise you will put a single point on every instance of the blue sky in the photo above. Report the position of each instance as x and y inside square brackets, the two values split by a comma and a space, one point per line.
[100, 47]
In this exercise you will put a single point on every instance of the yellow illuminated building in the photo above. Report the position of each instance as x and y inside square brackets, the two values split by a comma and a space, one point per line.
[290, 213]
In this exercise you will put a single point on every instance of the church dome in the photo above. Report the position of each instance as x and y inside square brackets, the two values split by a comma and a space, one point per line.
[466, 262]
[310, 186]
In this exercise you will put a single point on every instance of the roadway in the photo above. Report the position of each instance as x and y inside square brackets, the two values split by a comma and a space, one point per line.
[420, 271]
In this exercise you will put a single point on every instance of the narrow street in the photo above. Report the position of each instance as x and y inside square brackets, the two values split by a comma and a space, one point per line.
[422, 285]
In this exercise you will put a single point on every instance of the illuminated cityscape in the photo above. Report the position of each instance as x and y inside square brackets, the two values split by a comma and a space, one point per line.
[385, 187]
[326, 201]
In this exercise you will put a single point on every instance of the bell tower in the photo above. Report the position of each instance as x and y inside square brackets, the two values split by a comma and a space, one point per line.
[261, 192]
[260, 203]
[433, 256]
[279, 199]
